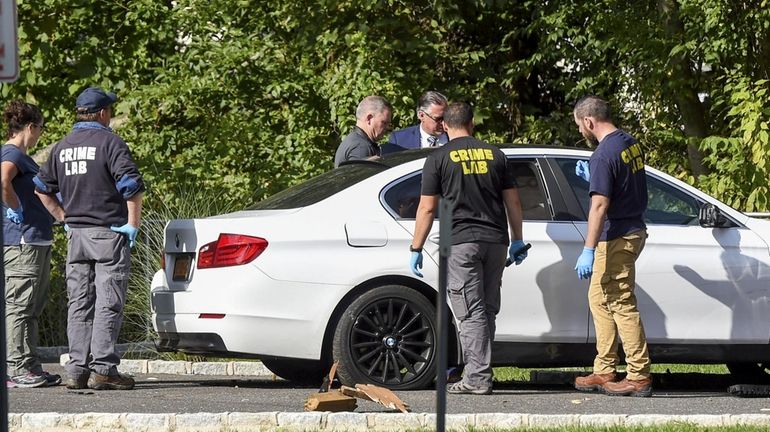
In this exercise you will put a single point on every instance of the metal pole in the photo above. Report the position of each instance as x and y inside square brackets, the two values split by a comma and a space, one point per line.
[444, 249]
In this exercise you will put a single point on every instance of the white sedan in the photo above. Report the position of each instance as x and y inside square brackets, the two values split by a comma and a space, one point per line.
[320, 272]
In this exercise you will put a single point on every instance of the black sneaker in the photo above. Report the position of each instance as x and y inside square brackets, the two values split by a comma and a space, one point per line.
[76, 383]
[110, 382]
[28, 380]
[50, 379]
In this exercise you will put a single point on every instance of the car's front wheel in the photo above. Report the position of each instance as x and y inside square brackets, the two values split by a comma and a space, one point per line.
[387, 337]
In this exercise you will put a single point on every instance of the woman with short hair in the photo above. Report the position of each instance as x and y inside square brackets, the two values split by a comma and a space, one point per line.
[27, 239]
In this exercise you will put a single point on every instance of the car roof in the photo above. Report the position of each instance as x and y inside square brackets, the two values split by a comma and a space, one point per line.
[398, 158]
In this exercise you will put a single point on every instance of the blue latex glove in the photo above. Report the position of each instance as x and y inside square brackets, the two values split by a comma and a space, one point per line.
[516, 245]
[585, 263]
[15, 215]
[66, 228]
[129, 230]
[416, 263]
[581, 170]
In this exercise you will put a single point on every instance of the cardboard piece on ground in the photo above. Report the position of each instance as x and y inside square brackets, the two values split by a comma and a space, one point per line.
[326, 385]
[377, 394]
[333, 401]
[326, 400]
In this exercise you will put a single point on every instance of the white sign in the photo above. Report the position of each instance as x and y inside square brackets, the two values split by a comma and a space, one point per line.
[9, 45]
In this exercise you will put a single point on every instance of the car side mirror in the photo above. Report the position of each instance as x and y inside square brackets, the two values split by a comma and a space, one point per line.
[710, 216]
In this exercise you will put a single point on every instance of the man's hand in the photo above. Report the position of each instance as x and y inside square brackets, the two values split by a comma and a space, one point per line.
[513, 256]
[416, 263]
[129, 230]
[581, 170]
[15, 215]
[585, 263]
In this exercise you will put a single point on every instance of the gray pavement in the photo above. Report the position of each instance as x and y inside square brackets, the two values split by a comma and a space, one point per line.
[165, 400]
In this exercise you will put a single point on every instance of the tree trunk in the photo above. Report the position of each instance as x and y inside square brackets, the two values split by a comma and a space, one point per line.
[683, 86]
[764, 55]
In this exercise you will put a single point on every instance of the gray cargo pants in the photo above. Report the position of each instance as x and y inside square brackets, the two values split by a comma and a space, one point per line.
[27, 276]
[98, 262]
[474, 277]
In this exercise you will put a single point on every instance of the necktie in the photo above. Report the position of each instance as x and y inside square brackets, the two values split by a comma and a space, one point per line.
[432, 141]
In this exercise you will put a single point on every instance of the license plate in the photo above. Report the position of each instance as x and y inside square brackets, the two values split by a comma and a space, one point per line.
[182, 266]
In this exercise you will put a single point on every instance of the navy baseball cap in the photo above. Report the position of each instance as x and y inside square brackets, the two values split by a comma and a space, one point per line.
[93, 99]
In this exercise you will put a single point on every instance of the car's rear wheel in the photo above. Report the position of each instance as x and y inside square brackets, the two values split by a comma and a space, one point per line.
[387, 337]
[298, 371]
[749, 373]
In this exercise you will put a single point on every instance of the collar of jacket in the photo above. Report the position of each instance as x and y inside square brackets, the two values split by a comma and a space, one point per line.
[90, 125]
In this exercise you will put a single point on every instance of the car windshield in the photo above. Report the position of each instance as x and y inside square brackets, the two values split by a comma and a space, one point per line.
[329, 183]
[320, 187]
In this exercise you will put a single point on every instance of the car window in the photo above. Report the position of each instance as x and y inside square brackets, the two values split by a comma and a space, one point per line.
[402, 197]
[668, 205]
[320, 187]
[578, 185]
[534, 203]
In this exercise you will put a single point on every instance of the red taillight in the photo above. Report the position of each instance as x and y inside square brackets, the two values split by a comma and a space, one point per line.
[230, 250]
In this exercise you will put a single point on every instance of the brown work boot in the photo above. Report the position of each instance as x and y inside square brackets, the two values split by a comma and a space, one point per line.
[593, 382]
[76, 382]
[110, 382]
[627, 387]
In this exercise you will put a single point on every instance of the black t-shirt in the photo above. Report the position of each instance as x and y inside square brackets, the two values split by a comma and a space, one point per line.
[472, 175]
[617, 172]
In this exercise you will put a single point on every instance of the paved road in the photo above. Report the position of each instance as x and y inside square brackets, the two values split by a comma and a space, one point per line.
[675, 394]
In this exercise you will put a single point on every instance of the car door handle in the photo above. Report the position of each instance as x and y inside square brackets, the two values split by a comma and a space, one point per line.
[434, 238]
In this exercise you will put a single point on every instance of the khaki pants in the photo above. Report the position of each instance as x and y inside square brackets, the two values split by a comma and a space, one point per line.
[613, 306]
[27, 274]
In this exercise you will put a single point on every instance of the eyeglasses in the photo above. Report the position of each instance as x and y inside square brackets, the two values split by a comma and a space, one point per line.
[40, 126]
[435, 119]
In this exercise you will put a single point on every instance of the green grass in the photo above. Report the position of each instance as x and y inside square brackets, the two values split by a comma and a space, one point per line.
[509, 374]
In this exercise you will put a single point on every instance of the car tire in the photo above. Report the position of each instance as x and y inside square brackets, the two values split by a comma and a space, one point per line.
[387, 337]
[298, 371]
[749, 373]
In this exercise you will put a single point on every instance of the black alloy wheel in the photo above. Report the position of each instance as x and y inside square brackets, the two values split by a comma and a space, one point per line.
[387, 337]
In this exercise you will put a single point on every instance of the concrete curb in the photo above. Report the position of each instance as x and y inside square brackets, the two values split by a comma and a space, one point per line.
[142, 350]
[233, 368]
[351, 421]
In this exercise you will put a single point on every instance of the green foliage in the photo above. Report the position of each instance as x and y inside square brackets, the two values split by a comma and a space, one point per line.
[740, 159]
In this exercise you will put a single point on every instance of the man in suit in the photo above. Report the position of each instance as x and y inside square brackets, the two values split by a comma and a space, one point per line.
[429, 132]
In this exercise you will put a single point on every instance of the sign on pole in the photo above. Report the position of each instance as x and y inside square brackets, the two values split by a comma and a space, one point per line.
[9, 46]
